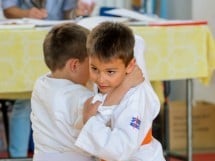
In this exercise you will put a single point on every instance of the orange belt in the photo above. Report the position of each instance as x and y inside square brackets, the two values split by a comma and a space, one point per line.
[146, 140]
[148, 137]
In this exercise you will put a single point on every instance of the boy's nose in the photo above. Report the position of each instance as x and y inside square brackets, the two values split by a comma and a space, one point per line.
[100, 78]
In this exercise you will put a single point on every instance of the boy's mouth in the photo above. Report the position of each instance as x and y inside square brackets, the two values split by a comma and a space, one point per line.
[103, 88]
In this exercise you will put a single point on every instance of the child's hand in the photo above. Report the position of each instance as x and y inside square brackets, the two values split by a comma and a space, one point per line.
[85, 7]
[134, 78]
[90, 109]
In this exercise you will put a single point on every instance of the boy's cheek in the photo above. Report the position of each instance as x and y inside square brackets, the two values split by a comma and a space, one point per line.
[92, 78]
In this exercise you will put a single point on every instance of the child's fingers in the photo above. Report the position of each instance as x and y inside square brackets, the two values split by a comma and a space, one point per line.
[90, 109]
[88, 102]
[97, 103]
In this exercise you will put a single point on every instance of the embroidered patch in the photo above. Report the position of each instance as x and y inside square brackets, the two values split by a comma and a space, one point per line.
[135, 122]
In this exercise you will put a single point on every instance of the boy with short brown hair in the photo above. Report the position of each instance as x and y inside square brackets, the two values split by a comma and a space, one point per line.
[121, 132]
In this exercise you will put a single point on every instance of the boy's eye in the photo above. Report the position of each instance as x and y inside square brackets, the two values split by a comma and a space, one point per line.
[111, 72]
[94, 69]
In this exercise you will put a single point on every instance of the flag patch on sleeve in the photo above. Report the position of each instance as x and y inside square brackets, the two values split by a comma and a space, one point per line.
[135, 122]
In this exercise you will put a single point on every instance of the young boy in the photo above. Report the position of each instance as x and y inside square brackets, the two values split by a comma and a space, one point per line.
[59, 96]
[123, 132]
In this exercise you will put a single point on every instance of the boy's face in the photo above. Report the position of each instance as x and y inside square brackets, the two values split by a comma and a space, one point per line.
[107, 75]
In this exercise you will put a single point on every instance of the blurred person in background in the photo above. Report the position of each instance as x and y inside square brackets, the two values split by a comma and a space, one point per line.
[46, 9]
[19, 124]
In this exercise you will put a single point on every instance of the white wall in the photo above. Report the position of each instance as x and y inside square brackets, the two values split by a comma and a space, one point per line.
[204, 9]
[1, 14]
[178, 9]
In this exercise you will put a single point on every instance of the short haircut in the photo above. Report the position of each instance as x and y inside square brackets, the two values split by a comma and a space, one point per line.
[63, 42]
[111, 40]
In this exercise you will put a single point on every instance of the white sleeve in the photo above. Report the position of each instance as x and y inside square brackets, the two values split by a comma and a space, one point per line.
[139, 51]
[123, 139]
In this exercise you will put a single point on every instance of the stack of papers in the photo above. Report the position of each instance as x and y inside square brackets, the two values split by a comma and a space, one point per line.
[45, 23]
[15, 24]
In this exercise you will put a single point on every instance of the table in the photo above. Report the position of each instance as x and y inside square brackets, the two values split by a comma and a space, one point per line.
[175, 52]
[178, 52]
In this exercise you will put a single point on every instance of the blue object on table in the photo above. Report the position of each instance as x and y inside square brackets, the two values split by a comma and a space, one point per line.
[104, 9]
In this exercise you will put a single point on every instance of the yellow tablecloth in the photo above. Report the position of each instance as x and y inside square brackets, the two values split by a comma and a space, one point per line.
[178, 52]
[171, 53]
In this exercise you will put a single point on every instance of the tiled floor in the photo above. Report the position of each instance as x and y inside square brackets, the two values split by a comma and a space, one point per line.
[5, 157]
[199, 157]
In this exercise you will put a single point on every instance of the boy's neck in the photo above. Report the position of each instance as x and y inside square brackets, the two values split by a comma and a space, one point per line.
[59, 74]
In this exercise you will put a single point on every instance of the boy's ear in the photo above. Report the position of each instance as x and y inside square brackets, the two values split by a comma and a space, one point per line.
[131, 66]
[72, 64]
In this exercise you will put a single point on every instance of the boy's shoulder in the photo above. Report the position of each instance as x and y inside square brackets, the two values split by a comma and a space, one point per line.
[144, 89]
[136, 89]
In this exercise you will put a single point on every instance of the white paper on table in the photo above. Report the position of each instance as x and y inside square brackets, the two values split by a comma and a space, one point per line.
[45, 23]
[29, 23]
[27, 26]
[91, 22]
[15, 24]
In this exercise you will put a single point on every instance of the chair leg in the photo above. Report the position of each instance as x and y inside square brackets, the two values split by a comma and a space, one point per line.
[5, 119]
[5, 105]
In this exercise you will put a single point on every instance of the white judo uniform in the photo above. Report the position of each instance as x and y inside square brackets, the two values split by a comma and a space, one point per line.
[57, 119]
[116, 133]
